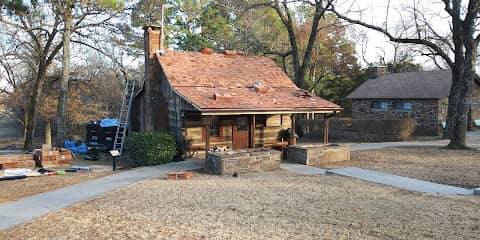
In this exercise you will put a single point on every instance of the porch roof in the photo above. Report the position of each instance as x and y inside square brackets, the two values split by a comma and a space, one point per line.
[224, 84]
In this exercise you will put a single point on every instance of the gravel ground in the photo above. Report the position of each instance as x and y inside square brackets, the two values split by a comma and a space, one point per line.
[452, 167]
[272, 205]
[16, 189]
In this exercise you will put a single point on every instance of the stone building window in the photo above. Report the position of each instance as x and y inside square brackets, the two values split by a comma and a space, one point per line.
[381, 105]
[402, 106]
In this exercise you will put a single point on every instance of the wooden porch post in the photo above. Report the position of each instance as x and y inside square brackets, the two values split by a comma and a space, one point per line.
[325, 128]
[252, 132]
[293, 138]
[307, 127]
[207, 122]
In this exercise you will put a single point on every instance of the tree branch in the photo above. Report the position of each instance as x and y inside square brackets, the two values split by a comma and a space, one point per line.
[280, 54]
[392, 38]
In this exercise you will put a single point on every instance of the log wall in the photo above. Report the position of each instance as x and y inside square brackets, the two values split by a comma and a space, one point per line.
[269, 134]
[266, 131]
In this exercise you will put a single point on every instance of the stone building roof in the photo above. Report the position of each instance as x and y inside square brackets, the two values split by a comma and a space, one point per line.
[409, 85]
[235, 82]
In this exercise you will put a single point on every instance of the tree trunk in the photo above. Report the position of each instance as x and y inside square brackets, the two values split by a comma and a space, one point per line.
[63, 96]
[300, 68]
[463, 75]
[319, 12]
[48, 132]
[32, 108]
[25, 122]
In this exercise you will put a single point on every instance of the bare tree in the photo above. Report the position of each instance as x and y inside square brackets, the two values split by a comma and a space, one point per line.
[458, 49]
[72, 23]
[287, 16]
[38, 26]
[39, 29]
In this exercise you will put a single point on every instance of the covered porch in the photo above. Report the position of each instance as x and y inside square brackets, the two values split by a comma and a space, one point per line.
[222, 131]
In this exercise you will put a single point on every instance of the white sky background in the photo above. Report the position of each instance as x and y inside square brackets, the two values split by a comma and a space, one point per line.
[375, 12]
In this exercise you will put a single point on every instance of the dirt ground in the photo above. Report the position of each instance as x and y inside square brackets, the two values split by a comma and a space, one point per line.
[16, 189]
[436, 164]
[272, 205]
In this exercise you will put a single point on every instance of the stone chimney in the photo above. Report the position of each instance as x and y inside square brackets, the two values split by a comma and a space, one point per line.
[152, 44]
[375, 71]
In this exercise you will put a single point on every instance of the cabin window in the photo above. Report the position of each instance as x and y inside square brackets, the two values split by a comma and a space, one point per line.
[381, 105]
[215, 128]
[402, 106]
[260, 121]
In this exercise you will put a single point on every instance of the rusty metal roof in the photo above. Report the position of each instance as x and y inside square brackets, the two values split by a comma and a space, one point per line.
[226, 82]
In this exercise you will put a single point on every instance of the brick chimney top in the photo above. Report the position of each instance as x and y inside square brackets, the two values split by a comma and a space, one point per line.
[152, 26]
[375, 71]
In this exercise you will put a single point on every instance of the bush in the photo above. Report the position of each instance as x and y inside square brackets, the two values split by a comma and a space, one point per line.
[385, 130]
[148, 149]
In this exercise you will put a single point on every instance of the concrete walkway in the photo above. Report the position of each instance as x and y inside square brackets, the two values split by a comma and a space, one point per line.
[301, 169]
[401, 182]
[380, 145]
[382, 178]
[25, 209]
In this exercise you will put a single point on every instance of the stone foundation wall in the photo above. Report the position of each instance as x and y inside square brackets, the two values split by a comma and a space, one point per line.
[243, 161]
[312, 155]
[426, 113]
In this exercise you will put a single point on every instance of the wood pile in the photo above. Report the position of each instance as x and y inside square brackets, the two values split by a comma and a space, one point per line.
[17, 161]
[183, 175]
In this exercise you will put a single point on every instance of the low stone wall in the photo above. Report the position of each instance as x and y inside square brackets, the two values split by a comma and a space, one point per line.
[315, 155]
[243, 161]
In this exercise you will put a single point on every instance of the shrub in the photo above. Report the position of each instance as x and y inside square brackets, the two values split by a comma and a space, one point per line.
[148, 149]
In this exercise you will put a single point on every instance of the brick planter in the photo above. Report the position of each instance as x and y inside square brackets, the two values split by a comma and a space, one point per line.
[17, 161]
[315, 155]
[243, 161]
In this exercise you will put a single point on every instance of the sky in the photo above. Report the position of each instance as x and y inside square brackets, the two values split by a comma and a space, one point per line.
[375, 12]
[376, 45]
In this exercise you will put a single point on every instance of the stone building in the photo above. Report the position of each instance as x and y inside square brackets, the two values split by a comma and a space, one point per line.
[422, 96]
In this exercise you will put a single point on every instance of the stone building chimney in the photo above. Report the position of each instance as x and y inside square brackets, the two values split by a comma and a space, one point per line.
[375, 71]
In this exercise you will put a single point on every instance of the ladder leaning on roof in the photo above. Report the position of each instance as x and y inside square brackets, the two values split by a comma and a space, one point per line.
[121, 133]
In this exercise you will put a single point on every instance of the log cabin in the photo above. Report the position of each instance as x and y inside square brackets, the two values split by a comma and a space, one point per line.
[209, 100]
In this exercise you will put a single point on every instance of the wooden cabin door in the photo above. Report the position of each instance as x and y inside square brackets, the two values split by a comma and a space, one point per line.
[241, 130]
